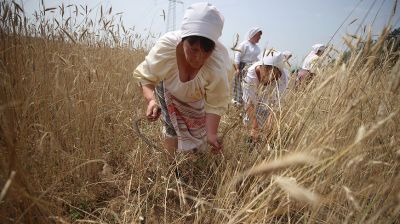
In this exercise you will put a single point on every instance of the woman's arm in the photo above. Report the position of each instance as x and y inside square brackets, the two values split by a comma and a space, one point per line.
[212, 124]
[237, 68]
[160, 60]
[153, 110]
[251, 112]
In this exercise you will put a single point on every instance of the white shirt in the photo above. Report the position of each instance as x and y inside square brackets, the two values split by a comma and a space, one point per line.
[210, 84]
[248, 53]
[310, 61]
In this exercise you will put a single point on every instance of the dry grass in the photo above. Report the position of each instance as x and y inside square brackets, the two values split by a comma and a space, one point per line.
[68, 152]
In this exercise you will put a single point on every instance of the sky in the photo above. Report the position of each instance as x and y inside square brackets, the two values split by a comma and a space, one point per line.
[293, 25]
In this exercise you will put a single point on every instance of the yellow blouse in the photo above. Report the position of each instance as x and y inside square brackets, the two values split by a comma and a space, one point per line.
[210, 84]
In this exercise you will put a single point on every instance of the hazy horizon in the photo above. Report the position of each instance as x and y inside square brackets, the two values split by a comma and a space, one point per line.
[287, 25]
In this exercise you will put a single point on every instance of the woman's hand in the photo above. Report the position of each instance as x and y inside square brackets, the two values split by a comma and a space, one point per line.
[254, 133]
[237, 72]
[216, 144]
[153, 111]
[212, 123]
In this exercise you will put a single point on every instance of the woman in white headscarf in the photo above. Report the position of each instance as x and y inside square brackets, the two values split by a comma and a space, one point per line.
[190, 69]
[246, 54]
[263, 87]
[307, 69]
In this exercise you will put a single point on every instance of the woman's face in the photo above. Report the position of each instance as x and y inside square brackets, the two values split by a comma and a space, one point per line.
[256, 38]
[268, 74]
[195, 55]
[320, 52]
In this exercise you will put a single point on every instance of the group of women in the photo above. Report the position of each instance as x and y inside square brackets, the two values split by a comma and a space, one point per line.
[184, 79]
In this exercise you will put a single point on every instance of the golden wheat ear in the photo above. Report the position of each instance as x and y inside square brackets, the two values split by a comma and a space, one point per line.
[268, 168]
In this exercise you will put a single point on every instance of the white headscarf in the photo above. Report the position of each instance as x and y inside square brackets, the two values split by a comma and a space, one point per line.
[276, 59]
[318, 47]
[202, 19]
[253, 31]
[287, 54]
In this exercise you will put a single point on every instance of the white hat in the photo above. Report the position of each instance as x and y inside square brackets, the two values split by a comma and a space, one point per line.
[276, 59]
[202, 19]
[253, 31]
[318, 47]
[287, 53]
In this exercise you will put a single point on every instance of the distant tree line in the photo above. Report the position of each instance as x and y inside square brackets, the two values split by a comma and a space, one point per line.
[393, 42]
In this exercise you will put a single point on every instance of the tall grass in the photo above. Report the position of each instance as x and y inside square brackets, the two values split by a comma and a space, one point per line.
[69, 153]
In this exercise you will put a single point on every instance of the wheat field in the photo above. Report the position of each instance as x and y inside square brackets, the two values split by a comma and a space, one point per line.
[69, 152]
